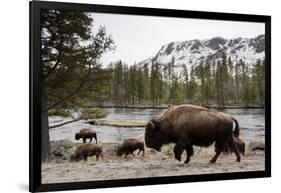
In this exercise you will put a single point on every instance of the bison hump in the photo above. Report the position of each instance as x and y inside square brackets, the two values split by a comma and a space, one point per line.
[183, 109]
[186, 111]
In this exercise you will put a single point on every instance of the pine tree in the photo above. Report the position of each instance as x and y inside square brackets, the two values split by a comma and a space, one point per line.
[259, 79]
[231, 88]
[238, 83]
[175, 90]
[208, 76]
[218, 81]
[169, 73]
[133, 83]
[246, 94]
[159, 83]
[140, 85]
[118, 83]
[126, 83]
[153, 83]
[192, 85]
[67, 61]
[186, 88]
[225, 80]
[201, 76]
[146, 78]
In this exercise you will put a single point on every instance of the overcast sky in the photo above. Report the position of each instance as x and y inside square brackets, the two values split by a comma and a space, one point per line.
[140, 37]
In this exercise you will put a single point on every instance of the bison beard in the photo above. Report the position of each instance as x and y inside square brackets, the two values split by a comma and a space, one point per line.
[188, 125]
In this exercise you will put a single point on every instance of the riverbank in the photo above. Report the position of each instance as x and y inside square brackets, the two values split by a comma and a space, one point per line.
[153, 164]
[103, 122]
[164, 106]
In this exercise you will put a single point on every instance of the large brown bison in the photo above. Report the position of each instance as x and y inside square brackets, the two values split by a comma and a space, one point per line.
[188, 125]
[86, 150]
[86, 134]
[129, 146]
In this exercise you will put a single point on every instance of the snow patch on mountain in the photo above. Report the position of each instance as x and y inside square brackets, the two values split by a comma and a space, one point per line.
[193, 52]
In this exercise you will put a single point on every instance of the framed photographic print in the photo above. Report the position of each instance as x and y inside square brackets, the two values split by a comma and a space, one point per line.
[127, 96]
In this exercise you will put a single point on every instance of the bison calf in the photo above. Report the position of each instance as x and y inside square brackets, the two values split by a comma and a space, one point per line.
[129, 146]
[86, 134]
[240, 145]
[86, 150]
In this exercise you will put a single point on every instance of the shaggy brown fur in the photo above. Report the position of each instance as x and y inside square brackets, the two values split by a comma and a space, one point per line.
[86, 150]
[86, 134]
[188, 125]
[129, 146]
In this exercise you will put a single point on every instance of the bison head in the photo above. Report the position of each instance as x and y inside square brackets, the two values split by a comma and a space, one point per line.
[153, 135]
[241, 148]
[74, 157]
[77, 136]
[119, 151]
[99, 152]
[240, 144]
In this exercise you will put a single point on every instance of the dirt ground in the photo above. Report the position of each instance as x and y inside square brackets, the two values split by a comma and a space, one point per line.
[153, 164]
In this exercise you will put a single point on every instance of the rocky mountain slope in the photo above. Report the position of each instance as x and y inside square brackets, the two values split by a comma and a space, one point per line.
[192, 52]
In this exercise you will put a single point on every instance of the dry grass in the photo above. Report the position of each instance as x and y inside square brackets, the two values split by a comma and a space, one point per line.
[153, 164]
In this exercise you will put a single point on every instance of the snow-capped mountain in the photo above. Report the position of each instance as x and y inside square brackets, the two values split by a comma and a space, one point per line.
[192, 52]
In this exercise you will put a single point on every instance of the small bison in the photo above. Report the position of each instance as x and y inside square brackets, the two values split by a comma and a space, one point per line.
[240, 145]
[85, 134]
[189, 125]
[129, 146]
[86, 150]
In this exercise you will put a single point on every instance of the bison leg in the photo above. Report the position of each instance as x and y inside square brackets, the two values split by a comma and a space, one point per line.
[101, 156]
[85, 158]
[189, 153]
[90, 140]
[84, 140]
[97, 157]
[139, 151]
[219, 148]
[234, 147]
[95, 136]
[178, 149]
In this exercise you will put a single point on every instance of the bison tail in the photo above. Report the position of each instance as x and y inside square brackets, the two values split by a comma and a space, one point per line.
[236, 130]
[95, 136]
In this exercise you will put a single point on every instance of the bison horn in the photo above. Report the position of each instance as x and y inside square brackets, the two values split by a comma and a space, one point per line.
[152, 124]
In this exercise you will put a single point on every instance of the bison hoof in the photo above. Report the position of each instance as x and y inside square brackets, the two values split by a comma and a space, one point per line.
[212, 161]
[178, 158]
[238, 159]
[186, 161]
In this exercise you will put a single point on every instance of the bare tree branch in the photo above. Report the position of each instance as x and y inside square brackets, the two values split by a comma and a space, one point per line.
[67, 122]
[56, 64]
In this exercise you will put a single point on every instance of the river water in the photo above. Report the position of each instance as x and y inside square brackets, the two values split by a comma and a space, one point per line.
[251, 121]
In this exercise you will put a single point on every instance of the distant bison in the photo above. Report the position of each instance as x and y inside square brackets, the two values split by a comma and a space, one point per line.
[129, 146]
[256, 145]
[86, 134]
[86, 150]
[188, 125]
[238, 143]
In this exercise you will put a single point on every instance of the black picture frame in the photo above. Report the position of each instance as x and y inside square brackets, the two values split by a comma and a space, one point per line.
[35, 89]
